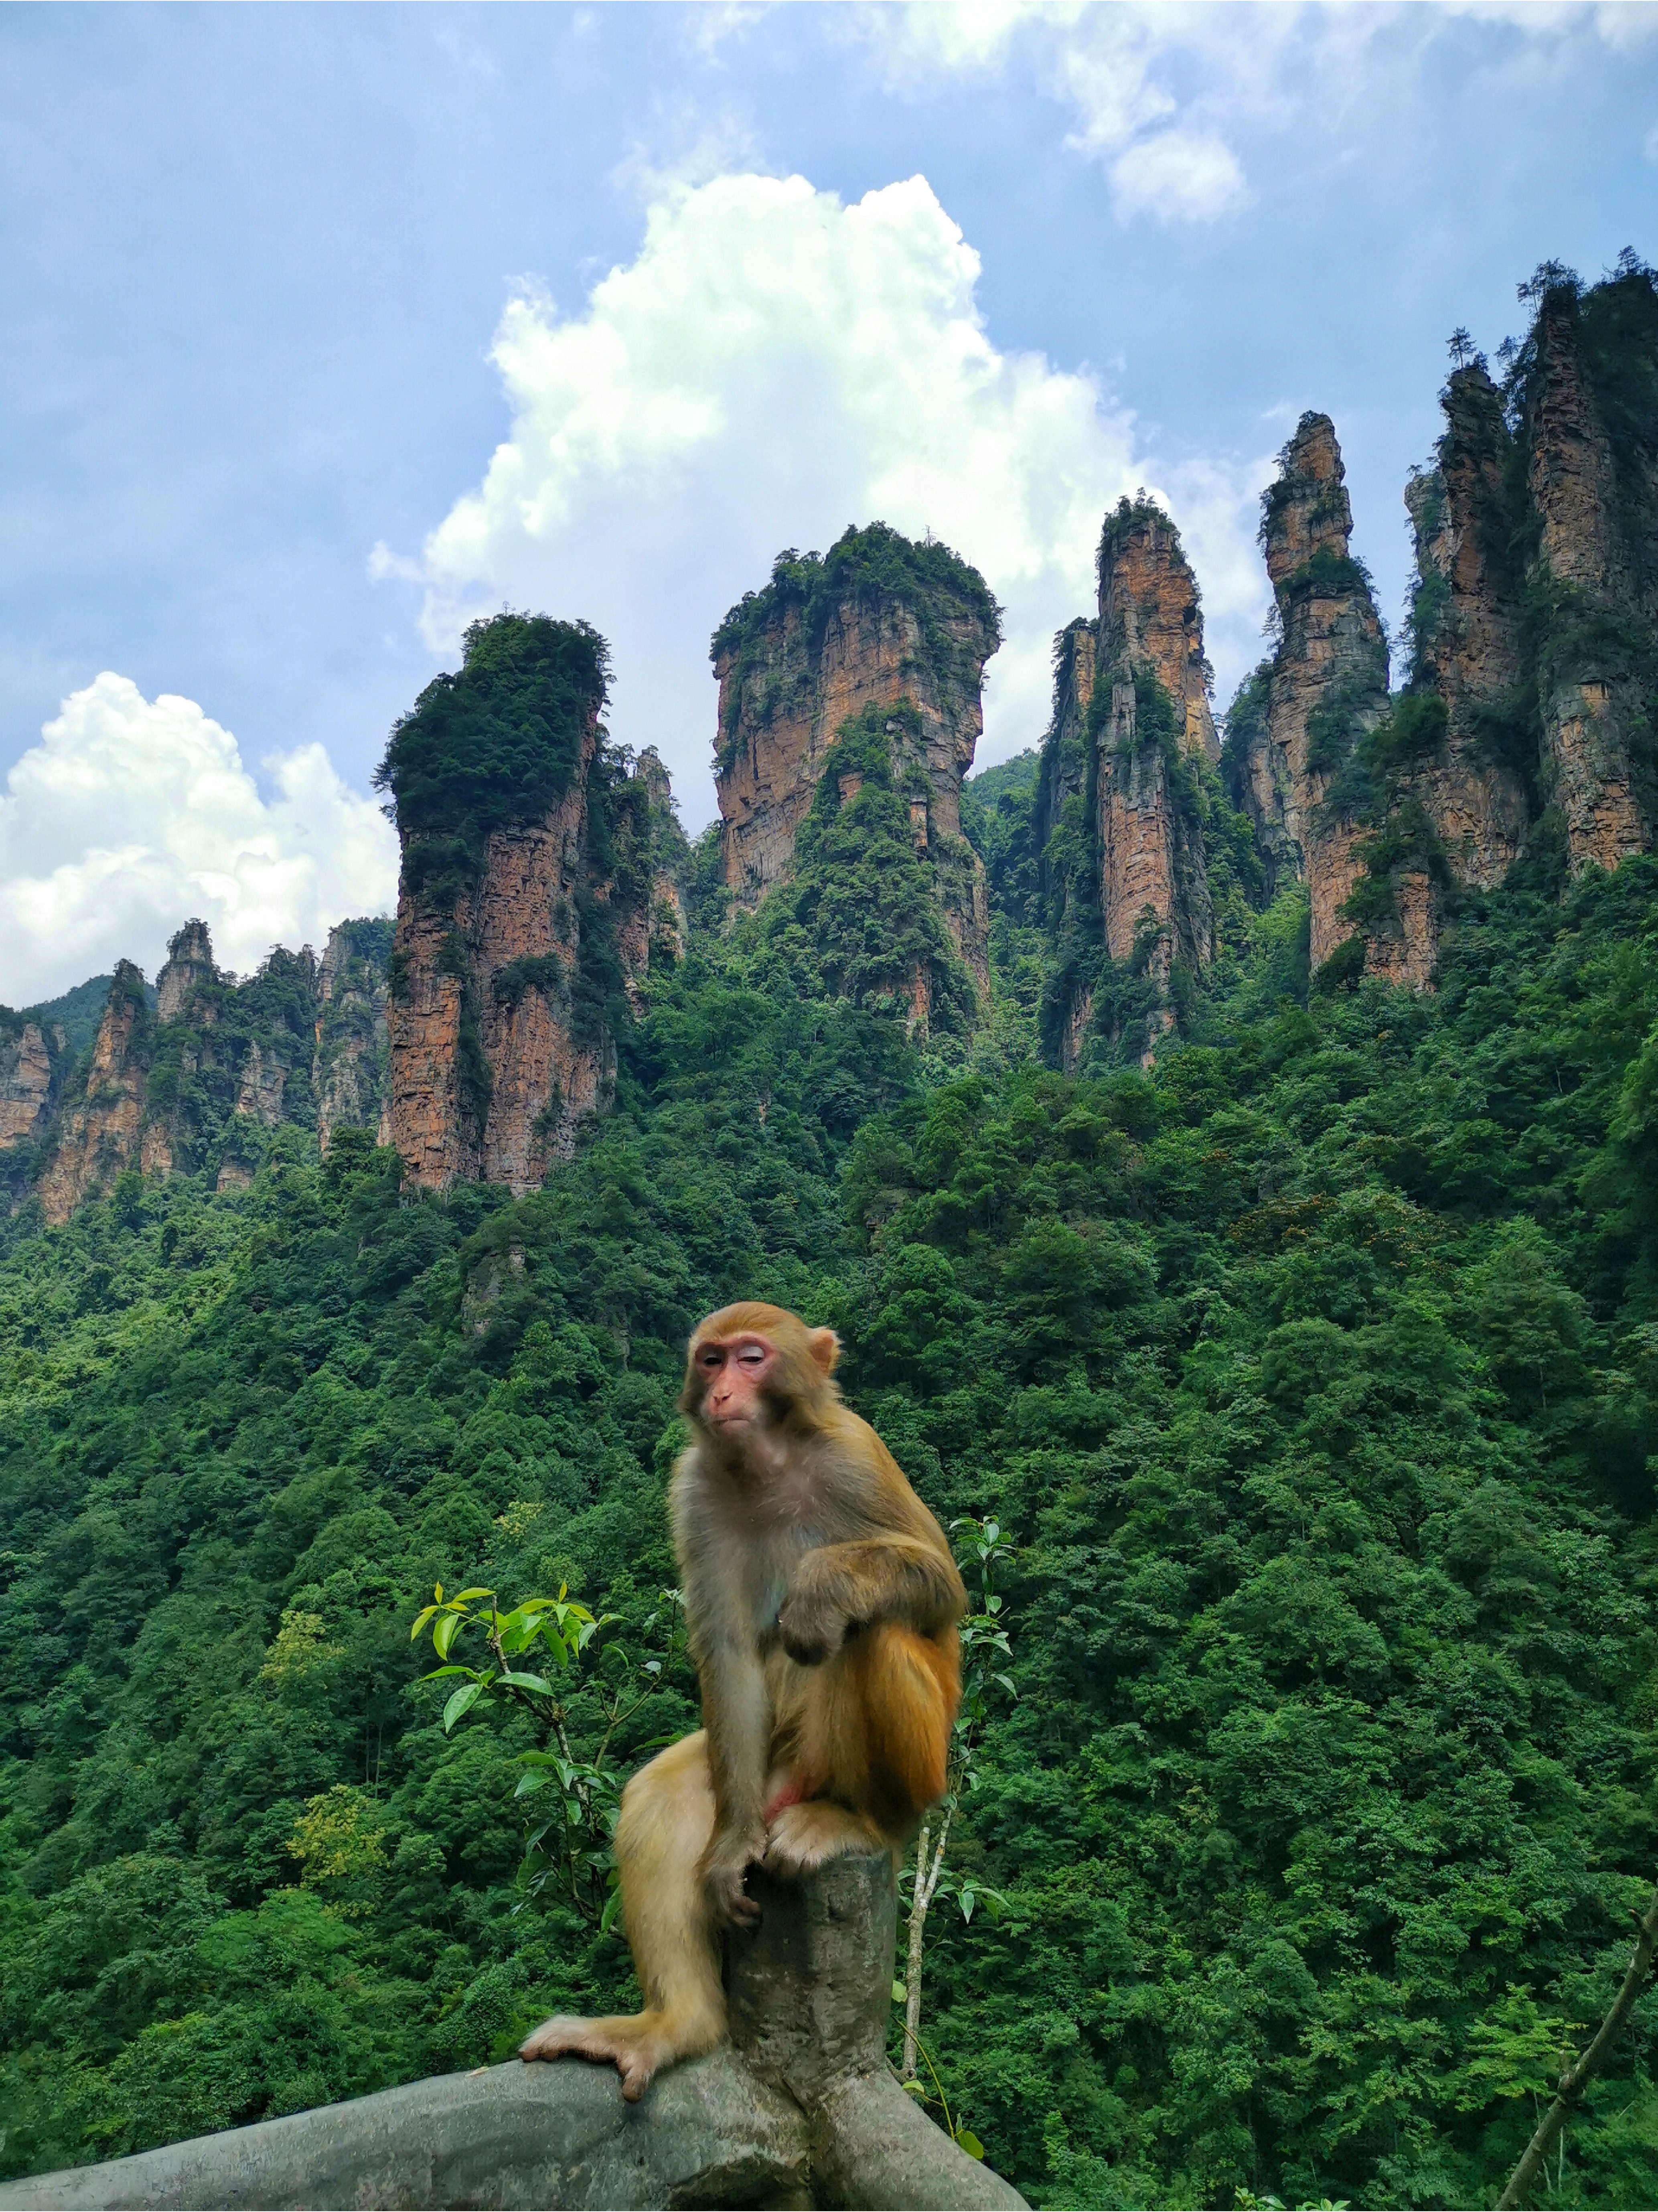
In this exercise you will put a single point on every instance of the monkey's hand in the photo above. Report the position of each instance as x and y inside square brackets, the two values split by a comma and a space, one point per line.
[730, 1855]
[813, 1625]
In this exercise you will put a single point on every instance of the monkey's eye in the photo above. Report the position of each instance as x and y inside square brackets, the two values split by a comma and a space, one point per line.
[752, 1355]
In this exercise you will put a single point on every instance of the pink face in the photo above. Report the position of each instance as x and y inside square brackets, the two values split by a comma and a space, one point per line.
[731, 1374]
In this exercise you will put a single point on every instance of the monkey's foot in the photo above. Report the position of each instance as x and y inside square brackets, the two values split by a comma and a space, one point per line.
[803, 1837]
[636, 2046]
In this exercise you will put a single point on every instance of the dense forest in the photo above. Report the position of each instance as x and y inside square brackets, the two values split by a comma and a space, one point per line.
[1310, 1374]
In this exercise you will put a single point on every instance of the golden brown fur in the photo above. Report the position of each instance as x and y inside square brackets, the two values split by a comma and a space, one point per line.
[822, 1602]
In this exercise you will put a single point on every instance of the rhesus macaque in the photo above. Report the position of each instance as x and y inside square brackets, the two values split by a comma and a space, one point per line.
[822, 1602]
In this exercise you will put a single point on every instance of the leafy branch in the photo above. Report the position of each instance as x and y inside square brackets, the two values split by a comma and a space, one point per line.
[574, 1844]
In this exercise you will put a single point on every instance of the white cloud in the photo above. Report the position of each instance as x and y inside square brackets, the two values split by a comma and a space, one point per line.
[1160, 92]
[1650, 143]
[131, 815]
[1178, 176]
[1150, 89]
[772, 366]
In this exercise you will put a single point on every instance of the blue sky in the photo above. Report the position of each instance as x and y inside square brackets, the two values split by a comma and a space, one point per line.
[327, 328]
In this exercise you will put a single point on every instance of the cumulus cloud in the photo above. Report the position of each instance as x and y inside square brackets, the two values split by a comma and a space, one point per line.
[133, 814]
[772, 366]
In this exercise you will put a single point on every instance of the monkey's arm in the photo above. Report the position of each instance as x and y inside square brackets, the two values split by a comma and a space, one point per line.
[841, 1586]
[737, 1713]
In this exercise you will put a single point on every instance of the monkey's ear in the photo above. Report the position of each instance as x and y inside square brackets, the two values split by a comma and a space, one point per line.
[824, 1346]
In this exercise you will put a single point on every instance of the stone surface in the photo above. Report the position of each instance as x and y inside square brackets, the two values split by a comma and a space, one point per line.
[1330, 652]
[260, 1093]
[98, 1135]
[1153, 886]
[450, 964]
[347, 1066]
[189, 963]
[781, 708]
[28, 1068]
[262, 1070]
[1064, 798]
[1474, 657]
[802, 2109]
[1589, 713]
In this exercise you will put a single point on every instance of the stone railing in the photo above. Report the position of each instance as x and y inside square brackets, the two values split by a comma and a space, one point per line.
[801, 2109]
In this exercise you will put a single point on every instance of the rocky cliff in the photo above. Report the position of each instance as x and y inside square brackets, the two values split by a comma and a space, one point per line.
[1119, 801]
[1156, 720]
[1324, 687]
[1530, 711]
[350, 1043]
[99, 1132]
[33, 1058]
[1467, 631]
[877, 620]
[1594, 520]
[527, 885]
[200, 1083]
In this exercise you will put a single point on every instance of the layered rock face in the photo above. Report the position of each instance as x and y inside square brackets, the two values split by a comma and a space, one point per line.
[878, 621]
[1592, 705]
[1153, 877]
[188, 966]
[100, 1130]
[500, 1039]
[31, 1062]
[658, 924]
[348, 1065]
[1325, 687]
[1472, 655]
[1063, 826]
[199, 1082]
[1119, 817]
[486, 1081]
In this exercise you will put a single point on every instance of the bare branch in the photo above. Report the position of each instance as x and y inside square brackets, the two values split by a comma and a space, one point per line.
[1575, 2079]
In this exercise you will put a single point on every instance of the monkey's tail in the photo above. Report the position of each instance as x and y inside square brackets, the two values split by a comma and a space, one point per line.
[911, 1686]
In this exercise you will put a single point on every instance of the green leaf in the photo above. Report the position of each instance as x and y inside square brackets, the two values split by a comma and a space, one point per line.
[445, 1634]
[612, 1906]
[900, 1994]
[970, 2142]
[466, 1597]
[969, 1899]
[471, 1673]
[913, 2087]
[528, 1784]
[537, 1683]
[462, 1702]
[420, 1619]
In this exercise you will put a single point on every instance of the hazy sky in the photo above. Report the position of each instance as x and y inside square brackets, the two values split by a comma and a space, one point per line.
[326, 328]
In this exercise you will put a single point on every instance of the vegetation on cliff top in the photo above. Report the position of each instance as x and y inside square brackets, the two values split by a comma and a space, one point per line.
[870, 569]
[867, 566]
[498, 742]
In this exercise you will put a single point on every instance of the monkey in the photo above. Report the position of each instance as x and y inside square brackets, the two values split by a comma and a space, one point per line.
[821, 1604]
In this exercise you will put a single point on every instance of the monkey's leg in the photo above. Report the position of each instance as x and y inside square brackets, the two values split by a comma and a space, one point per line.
[667, 1818]
[877, 1725]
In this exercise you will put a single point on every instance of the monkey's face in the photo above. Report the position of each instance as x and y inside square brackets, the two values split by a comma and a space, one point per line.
[732, 1376]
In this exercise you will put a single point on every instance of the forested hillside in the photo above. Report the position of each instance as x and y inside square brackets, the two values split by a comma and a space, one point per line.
[1310, 1370]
